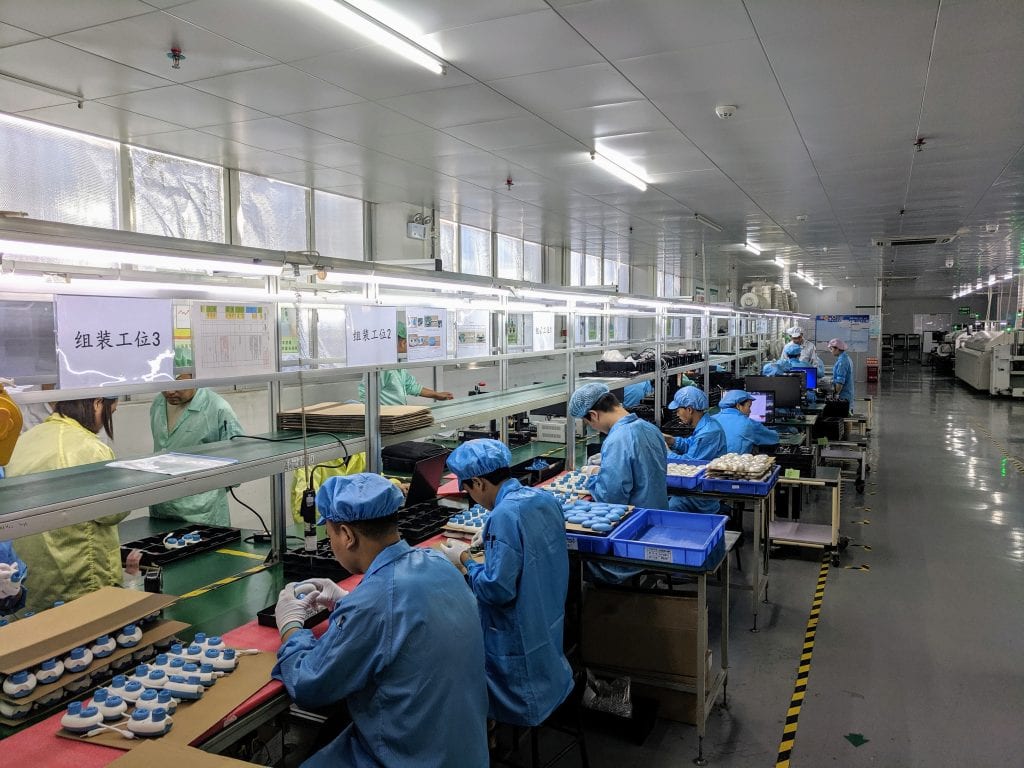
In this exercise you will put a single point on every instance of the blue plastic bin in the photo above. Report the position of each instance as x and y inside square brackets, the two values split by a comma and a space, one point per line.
[598, 545]
[663, 536]
[686, 483]
[740, 487]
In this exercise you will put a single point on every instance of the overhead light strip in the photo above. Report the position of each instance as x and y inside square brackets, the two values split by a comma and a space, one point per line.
[707, 222]
[618, 171]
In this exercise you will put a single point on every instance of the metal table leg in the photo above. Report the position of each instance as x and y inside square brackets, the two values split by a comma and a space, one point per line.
[702, 652]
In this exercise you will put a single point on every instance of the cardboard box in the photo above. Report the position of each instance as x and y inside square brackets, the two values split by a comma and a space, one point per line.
[640, 632]
[160, 754]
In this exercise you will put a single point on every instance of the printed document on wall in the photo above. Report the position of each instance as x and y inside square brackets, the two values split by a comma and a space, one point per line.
[370, 337]
[233, 339]
[106, 341]
[427, 333]
[473, 338]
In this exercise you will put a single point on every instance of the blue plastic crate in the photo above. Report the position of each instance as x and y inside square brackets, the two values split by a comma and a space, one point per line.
[598, 545]
[680, 538]
[686, 483]
[741, 487]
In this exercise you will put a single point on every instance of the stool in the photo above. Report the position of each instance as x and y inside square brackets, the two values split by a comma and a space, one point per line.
[565, 719]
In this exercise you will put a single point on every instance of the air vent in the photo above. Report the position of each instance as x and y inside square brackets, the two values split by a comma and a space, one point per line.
[885, 242]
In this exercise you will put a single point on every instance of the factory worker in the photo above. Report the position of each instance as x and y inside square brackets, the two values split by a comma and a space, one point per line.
[808, 354]
[633, 454]
[777, 368]
[707, 442]
[184, 419]
[397, 384]
[842, 371]
[741, 432]
[520, 587]
[72, 561]
[635, 393]
[404, 650]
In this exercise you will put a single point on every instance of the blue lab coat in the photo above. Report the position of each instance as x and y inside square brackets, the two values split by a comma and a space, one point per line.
[842, 373]
[706, 443]
[742, 432]
[8, 555]
[520, 591]
[632, 466]
[404, 650]
[634, 393]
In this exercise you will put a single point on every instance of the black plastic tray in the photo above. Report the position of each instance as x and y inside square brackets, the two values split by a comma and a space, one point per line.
[536, 476]
[154, 553]
[299, 564]
[422, 521]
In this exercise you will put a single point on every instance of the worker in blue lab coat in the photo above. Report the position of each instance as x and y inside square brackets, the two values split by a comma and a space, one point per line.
[706, 443]
[520, 587]
[777, 368]
[842, 371]
[404, 650]
[741, 432]
[634, 393]
[633, 464]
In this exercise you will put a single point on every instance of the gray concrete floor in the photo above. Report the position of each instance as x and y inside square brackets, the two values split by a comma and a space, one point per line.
[921, 655]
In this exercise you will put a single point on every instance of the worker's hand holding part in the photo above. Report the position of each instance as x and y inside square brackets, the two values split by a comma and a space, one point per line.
[325, 593]
[478, 539]
[590, 469]
[11, 577]
[292, 607]
[453, 549]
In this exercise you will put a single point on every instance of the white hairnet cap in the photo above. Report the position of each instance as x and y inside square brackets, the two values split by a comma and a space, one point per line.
[796, 330]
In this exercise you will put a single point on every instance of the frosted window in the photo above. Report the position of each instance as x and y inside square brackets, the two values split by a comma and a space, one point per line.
[575, 268]
[175, 197]
[57, 175]
[339, 226]
[593, 270]
[623, 281]
[447, 246]
[474, 251]
[611, 272]
[533, 266]
[510, 257]
[271, 214]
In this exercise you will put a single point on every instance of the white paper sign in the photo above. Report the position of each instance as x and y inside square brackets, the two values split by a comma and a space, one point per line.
[370, 337]
[105, 341]
[473, 333]
[233, 339]
[543, 331]
[427, 329]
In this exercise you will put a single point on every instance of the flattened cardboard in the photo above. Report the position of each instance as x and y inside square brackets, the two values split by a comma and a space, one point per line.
[161, 630]
[56, 631]
[193, 719]
[164, 754]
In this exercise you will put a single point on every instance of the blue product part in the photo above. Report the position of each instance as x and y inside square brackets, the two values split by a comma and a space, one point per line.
[602, 527]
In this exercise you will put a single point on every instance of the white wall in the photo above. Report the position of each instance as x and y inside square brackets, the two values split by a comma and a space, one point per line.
[855, 300]
[390, 241]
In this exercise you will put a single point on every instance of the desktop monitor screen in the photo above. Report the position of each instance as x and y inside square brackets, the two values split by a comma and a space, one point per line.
[798, 373]
[785, 388]
[762, 408]
[811, 374]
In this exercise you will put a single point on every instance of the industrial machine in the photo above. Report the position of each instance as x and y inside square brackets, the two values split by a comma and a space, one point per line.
[992, 362]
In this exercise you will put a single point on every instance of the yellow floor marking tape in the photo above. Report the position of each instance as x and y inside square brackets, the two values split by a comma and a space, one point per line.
[224, 582]
[237, 553]
[803, 671]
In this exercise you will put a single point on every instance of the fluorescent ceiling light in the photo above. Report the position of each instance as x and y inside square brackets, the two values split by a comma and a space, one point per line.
[618, 171]
[707, 222]
[409, 282]
[991, 279]
[531, 293]
[820, 286]
[1008, 276]
[752, 248]
[67, 255]
[645, 303]
[366, 25]
[779, 261]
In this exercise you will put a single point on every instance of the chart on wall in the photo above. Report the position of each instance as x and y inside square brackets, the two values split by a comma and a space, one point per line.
[855, 330]
[473, 333]
[426, 329]
[233, 339]
[104, 341]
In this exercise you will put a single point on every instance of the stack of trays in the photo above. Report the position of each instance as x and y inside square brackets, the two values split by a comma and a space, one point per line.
[569, 483]
[350, 417]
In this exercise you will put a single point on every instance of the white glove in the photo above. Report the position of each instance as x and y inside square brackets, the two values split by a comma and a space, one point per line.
[10, 580]
[322, 593]
[290, 610]
[453, 549]
[478, 539]
[590, 469]
[595, 460]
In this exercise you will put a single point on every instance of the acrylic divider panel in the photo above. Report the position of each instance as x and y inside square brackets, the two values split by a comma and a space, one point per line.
[371, 336]
[105, 340]
[233, 339]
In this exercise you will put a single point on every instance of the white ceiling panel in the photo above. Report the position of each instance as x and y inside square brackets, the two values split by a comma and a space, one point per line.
[587, 86]
[10, 35]
[515, 45]
[52, 17]
[446, 14]
[61, 66]
[505, 134]
[15, 97]
[610, 119]
[262, 162]
[277, 90]
[548, 158]
[455, 106]
[193, 144]
[320, 178]
[271, 133]
[356, 121]
[144, 41]
[183, 105]
[342, 154]
[421, 146]
[98, 118]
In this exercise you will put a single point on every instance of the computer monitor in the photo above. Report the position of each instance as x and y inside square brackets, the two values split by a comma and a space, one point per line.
[762, 408]
[787, 389]
[798, 373]
[811, 375]
[426, 479]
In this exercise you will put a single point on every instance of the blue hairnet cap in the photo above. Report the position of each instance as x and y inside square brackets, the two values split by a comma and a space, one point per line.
[792, 350]
[734, 397]
[769, 369]
[583, 399]
[479, 457]
[351, 498]
[690, 397]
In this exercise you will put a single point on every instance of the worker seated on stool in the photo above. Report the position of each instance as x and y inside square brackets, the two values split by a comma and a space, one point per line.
[404, 650]
[742, 433]
[520, 587]
[706, 443]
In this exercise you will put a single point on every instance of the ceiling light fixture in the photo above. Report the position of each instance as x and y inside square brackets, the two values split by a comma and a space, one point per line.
[408, 282]
[380, 33]
[780, 262]
[616, 169]
[752, 248]
[707, 222]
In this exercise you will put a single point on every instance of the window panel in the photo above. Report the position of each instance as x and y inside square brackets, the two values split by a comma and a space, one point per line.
[338, 226]
[510, 257]
[623, 281]
[575, 268]
[175, 197]
[611, 272]
[592, 275]
[447, 246]
[271, 214]
[533, 263]
[57, 175]
[474, 251]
